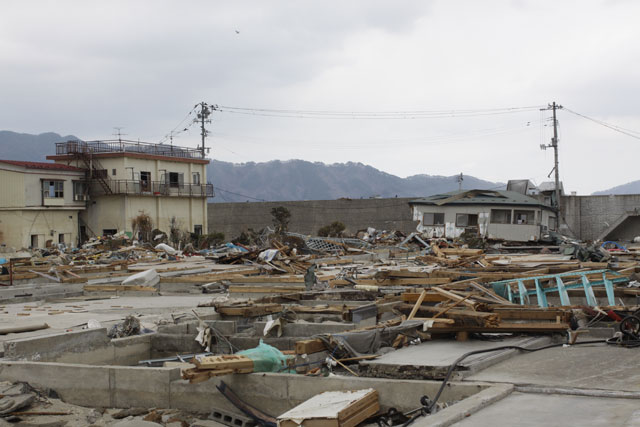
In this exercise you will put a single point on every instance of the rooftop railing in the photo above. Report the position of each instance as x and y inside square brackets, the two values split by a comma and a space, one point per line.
[126, 146]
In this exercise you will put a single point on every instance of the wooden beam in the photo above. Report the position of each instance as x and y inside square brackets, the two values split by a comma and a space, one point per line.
[310, 346]
[423, 294]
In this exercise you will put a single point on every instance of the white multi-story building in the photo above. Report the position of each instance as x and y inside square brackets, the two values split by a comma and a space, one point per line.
[126, 178]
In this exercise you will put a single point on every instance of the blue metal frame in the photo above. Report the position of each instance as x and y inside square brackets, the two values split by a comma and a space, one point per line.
[561, 288]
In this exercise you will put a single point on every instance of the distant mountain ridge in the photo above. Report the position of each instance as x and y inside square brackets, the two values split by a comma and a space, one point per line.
[302, 180]
[632, 187]
[24, 146]
[278, 180]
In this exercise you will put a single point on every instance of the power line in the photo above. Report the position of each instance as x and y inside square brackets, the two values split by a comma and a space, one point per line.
[173, 132]
[374, 115]
[628, 132]
[238, 194]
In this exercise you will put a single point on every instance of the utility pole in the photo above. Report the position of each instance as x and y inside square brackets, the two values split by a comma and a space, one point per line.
[203, 117]
[554, 144]
[460, 178]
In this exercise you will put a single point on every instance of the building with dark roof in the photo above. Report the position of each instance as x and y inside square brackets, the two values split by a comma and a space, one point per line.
[500, 215]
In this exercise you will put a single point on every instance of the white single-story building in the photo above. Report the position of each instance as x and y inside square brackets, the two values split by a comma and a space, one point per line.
[501, 215]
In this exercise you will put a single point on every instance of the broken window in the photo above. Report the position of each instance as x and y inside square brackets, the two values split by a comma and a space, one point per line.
[466, 220]
[197, 229]
[500, 216]
[524, 217]
[53, 189]
[109, 231]
[433, 218]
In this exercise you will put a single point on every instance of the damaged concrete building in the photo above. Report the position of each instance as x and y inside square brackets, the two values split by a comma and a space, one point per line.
[497, 215]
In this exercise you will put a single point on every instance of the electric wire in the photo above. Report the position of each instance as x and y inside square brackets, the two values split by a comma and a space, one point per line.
[238, 194]
[373, 115]
[168, 135]
[628, 132]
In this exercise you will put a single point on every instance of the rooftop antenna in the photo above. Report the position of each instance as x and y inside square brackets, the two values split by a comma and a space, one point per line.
[119, 134]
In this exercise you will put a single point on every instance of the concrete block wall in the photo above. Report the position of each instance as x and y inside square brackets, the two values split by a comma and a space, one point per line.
[97, 386]
[588, 216]
[309, 215]
[91, 347]
[585, 216]
[127, 387]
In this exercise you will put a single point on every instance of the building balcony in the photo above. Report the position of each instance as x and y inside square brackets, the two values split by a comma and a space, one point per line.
[150, 188]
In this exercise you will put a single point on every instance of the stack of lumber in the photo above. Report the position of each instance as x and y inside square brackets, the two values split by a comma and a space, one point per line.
[480, 310]
[213, 366]
[333, 409]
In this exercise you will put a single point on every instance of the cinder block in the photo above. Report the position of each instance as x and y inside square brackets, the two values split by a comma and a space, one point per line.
[163, 344]
[225, 327]
[180, 328]
[231, 419]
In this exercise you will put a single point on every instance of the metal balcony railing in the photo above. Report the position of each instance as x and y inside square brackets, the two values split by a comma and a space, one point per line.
[153, 188]
[126, 146]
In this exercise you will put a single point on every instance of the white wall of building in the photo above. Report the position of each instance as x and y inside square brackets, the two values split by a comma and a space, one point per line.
[24, 213]
[514, 232]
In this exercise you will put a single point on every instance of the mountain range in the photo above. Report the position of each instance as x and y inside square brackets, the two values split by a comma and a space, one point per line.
[278, 180]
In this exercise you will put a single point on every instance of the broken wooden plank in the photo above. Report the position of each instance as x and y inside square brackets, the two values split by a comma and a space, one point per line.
[310, 346]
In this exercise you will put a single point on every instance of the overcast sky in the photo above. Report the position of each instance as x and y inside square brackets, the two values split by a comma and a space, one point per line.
[84, 67]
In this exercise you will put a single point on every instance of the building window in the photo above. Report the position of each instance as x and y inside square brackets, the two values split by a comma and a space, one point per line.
[524, 217]
[145, 180]
[79, 190]
[432, 218]
[53, 189]
[60, 238]
[552, 223]
[197, 230]
[113, 172]
[500, 216]
[195, 178]
[466, 220]
[176, 179]
[109, 231]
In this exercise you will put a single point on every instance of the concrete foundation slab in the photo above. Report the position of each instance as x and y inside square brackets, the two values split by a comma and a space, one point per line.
[591, 366]
[430, 360]
[524, 410]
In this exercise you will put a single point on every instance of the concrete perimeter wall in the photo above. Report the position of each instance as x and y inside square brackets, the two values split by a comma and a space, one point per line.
[588, 216]
[308, 216]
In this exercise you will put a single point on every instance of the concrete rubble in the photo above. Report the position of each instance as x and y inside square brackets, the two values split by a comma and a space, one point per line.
[396, 329]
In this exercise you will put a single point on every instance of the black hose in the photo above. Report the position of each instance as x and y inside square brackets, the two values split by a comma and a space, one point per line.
[453, 366]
